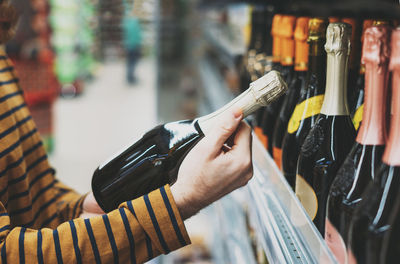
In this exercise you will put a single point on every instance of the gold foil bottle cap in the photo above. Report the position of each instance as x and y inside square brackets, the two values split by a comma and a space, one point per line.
[267, 88]
[381, 22]
[301, 46]
[287, 45]
[395, 52]
[287, 26]
[301, 30]
[276, 44]
[338, 38]
[317, 28]
[366, 24]
[376, 45]
[276, 23]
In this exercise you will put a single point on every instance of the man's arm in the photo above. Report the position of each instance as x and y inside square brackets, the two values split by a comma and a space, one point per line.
[135, 232]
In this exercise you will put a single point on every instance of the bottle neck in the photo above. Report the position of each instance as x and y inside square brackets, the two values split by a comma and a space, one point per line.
[287, 52]
[245, 101]
[301, 56]
[317, 63]
[261, 92]
[335, 100]
[276, 49]
[391, 155]
[373, 127]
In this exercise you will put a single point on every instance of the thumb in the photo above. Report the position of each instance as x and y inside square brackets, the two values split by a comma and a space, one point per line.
[225, 126]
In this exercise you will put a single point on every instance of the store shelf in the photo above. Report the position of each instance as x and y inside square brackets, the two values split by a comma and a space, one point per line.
[231, 243]
[285, 232]
[225, 43]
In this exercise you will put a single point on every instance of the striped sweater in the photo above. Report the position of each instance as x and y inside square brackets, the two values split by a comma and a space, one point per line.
[39, 216]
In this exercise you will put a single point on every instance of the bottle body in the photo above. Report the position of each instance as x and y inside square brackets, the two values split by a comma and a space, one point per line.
[321, 156]
[390, 252]
[356, 173]
[146, 165]
[370, 223]
[329, 141]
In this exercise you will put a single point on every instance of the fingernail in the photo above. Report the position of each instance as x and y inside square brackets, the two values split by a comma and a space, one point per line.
[238, 113]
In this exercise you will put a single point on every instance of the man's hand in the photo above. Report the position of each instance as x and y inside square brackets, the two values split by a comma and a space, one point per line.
[212, 169]
[90, 207]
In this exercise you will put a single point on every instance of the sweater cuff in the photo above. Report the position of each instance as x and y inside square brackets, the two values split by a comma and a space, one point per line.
[159, 216]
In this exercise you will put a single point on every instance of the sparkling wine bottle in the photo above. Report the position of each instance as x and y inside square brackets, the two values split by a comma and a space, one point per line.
[310, 101]
[154, 160]
[297, 82]
[329, 141]
[358, 170]
[372, 219]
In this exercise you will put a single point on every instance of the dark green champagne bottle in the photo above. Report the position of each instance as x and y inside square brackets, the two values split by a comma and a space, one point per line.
[310, 102]
[297, 82]
[330, 140]
[359, 168]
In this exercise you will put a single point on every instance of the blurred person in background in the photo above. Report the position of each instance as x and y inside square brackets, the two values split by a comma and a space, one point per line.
[132, 39]
[44, 221]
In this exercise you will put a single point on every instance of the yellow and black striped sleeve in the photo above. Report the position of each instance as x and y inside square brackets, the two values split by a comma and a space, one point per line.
[69, 203]
[135, 232]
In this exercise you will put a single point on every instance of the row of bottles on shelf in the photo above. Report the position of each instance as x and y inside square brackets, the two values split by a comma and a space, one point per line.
[330, 142]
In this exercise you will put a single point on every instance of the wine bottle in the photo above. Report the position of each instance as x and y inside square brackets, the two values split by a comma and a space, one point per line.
[271, 111]
[297, 83]
[390, 252]
[358, 170]
[329, 141]
[371, 221]
[310, 102]
[154, 160]
[287, 62]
